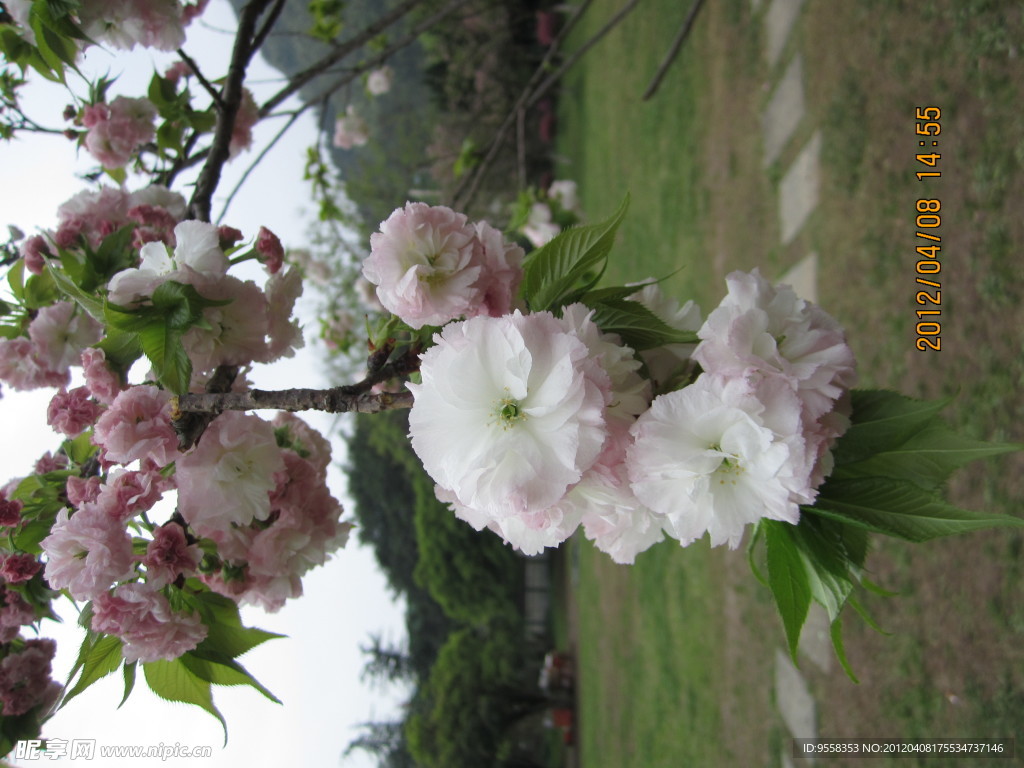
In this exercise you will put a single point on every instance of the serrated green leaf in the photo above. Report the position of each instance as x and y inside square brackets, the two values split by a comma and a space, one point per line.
[114, 254]
[219, 669]
[129, 681]
[788, 580]
[836, 632]
[67, 286]
[40, 291]
[882, 419]
[901, 509]
[226, 635]
[173, 681]
[166, 352]
[121, 348]
[927, 458]
[31, 533]
[554, 271]
[80, 448]
[637, 326]
[830, 574]
[102, 658]
[16, 279]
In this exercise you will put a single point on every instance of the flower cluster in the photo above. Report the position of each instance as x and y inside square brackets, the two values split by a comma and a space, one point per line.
[533, 424]
[432, 265]
[124, 24]
[254, 510]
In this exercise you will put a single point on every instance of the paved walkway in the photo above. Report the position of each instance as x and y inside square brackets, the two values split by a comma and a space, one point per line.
[783, 115]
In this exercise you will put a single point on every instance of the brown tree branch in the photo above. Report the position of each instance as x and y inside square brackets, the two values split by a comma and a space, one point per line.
[466, 189]
[673, 50]
[231, 98]
[336, 400]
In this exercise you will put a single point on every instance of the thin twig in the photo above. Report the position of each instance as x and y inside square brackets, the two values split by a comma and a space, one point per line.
[268, 24]
[555, 76]
[673, 51]
[383, 56]
[342, 50]
[214, 93]
[472, 180]
[209, 176]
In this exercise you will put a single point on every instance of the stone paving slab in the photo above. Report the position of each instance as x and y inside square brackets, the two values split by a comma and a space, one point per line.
[779, 23]
[798, 193]
[803, 278]
[784, 112]
[794, 699]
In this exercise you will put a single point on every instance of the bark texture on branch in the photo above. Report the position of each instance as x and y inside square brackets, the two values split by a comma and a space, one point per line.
[336, 400]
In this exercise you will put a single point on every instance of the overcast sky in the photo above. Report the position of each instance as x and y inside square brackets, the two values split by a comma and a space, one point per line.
[315, 671]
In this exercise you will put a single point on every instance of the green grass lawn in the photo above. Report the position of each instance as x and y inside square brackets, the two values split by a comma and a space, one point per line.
[676, 653]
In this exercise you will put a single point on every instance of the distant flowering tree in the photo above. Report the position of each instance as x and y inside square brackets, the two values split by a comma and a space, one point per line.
[541, 401]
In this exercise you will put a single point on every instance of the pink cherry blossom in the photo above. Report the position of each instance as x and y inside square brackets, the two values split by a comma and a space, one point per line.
[86, 553]
[502, 271]
[247, 117]
[138, 426]
[143, 619]
[770, 329]
[71, 413]
[103, 384]
[14, 614]
[118, 129]
[17, 568]
[25, 682]
[59, 333]
[35, 250]
[50, 462]
[82, 490]
[10, 511]
[721, 454]
[305, 441]
[378, 82]
[425, 262]
[271, 252]
[285, 333]
[22, 368]
[236, 332]
[126, 23]
[510, 412]
[227, 479]
[169, 555]
[126, 494]
[351, 130]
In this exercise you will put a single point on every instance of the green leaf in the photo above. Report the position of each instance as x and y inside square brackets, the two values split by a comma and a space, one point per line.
[882, 419]
[226, 635]
[554, 271]
[788, 580]
[79, 449]
[67, 286]
[830, 574]
[129, 681]
[836, 631]
[165, 351]
[40, 291]
[122, 348]
[103, 657]
[927, 458]
[637, 326]
[901, 509]
[219, 669]
[173, 681]
[16, 277]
